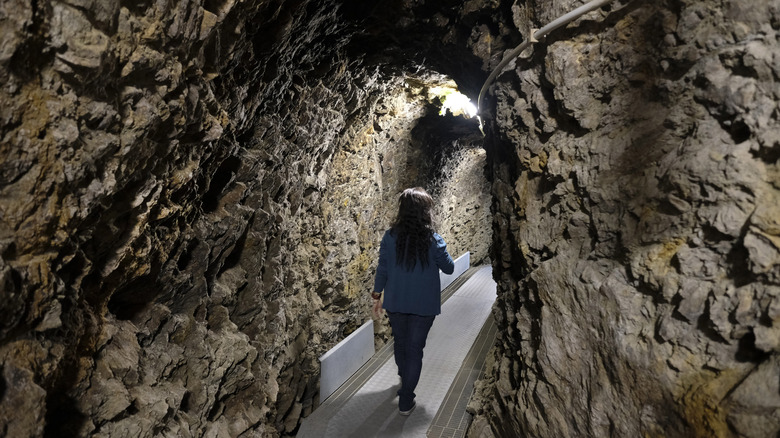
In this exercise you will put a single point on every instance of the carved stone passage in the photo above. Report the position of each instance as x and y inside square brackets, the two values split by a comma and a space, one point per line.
[191, 199]
[192, 195]
[637, 226]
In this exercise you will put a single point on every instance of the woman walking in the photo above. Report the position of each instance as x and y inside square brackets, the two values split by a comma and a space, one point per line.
[410, 256]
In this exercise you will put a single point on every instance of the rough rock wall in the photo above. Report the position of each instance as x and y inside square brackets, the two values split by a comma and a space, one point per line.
[636, 172]
[452, 162]
[464, 206]
[191, 194]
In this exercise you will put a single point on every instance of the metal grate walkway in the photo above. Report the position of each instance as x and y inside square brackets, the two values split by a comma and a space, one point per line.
[367, 405]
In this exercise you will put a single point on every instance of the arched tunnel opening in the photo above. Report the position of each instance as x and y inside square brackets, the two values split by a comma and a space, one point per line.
[192, 195]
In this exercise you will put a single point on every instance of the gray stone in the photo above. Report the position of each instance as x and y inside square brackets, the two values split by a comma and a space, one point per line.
[661, 127]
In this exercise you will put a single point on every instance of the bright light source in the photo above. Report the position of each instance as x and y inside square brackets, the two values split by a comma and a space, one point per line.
[453, 101]
[459, 104]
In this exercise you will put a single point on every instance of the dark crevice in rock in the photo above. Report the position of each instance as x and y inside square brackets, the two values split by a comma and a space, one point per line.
[564, 118]
[130, 300]
[650, 290]
[34, 52]
[234, 258]
[769, 155]
[748, 352]
[738, 266]
[705, 325]
[219, 181]
[63, 418]
[739, 131]
[185, 255]
[73, 269]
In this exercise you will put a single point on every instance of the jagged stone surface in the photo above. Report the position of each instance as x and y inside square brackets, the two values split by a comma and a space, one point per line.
[191, 196]
[635, 160]
[464, 206]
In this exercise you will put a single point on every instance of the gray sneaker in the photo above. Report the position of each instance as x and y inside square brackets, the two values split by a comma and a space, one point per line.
[409, 411]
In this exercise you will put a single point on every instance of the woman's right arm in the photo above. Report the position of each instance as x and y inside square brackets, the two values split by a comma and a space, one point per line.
[443, 259]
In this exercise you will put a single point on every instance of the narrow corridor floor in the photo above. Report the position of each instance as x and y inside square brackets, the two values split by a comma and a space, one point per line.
[367, 405]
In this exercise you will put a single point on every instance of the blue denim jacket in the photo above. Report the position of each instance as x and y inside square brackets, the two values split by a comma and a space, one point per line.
[417, 291]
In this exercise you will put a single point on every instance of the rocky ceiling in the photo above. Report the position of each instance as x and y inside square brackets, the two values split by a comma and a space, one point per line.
[192, 193]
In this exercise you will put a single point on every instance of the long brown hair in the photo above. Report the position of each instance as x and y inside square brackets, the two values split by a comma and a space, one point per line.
[413, 227]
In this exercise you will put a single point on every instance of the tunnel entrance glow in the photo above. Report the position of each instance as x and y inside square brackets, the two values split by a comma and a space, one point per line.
[452, 100]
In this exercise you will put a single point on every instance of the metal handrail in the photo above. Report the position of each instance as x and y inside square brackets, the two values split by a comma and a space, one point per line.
[534, 38]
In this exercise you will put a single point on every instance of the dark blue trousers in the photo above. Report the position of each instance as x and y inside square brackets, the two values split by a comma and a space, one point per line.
[409, 335]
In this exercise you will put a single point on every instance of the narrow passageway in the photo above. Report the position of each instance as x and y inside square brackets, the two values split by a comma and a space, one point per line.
[193, 192]
[367, 405]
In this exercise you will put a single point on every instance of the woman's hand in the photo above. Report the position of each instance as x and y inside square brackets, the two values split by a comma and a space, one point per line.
[377, 308]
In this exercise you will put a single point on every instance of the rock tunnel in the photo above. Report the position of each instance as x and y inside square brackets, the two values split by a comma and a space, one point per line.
[192, 195]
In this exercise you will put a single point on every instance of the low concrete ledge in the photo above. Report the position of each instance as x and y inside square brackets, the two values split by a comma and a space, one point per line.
[341, 361]
[462, 265]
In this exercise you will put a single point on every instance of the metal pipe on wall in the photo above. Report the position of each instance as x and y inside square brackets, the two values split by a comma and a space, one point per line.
[535, 36]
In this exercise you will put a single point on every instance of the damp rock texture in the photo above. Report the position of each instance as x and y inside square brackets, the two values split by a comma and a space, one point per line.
[191, 198]
[452, 157]
[636, 187]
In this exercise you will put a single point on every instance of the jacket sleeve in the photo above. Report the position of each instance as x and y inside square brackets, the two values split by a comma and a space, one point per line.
[443, 259]
[381, 270]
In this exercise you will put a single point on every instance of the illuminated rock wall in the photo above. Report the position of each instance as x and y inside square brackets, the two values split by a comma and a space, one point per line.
[191, 196]
[637, 240]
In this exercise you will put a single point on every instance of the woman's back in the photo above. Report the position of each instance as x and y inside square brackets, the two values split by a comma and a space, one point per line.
[417, 290]
[410, 256]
